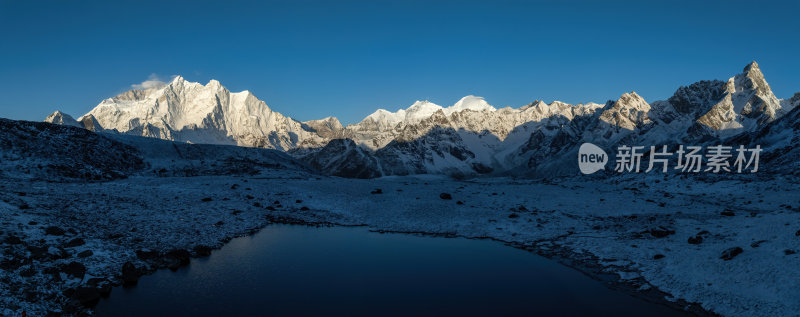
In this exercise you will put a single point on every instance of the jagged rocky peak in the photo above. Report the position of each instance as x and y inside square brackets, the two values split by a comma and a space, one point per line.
[329, 123]
[535, 103]
[752, 96]
[216, 83]
[742, 102]
[177, 81]
[629, 112]
[343, 157]
[89, 122]
[751, 78]
[539, 110]
[61, 118]
[698, 97]
[329, 127]
[132, 95]
[382, 119]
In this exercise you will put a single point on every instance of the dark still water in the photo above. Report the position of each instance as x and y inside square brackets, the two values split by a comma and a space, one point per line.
[304, 271]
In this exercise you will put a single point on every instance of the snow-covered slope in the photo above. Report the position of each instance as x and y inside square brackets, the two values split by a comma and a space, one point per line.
[38, 150]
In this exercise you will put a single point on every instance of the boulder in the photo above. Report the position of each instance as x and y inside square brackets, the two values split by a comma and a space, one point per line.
[75, 243]
[661, 232]
[74, 269]
[130, 273]
[54, 231]
[731, 253]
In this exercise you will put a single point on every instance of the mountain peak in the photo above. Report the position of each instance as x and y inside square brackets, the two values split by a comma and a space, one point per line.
[470, 102]
[631, 98]
[177, 79]
[423, 104]
[629, 112]
[752, 96]
[61, 118]
[535, 104]
[752, 72]
[214, 83]
[328, 127]
[752, 66]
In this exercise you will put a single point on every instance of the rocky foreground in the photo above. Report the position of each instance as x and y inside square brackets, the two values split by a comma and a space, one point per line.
[730, 249]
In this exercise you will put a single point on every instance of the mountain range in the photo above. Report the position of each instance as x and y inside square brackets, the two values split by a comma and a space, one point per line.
[471, 137]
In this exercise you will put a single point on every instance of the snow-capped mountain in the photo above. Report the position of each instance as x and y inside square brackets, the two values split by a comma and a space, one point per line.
[542, 139]
[468, 138]
[382, 126]
[702, 113]
[192, 112]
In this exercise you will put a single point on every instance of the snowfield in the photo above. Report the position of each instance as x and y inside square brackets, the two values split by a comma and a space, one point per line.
[664, 236]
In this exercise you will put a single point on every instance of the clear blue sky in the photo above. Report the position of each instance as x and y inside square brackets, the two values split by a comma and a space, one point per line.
[313, 59]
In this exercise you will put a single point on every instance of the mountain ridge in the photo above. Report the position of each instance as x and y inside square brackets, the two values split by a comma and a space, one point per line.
[470, 137]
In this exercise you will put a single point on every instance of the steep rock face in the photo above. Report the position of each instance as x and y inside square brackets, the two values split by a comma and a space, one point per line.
[727, 108]
[628, 114]
[90, 123]
[751, 95]
[551, 149]
[780, 141]
[328, 128]
[438, 151]
[342, 157]
[696, 99]
[789, 104]
[190, 112]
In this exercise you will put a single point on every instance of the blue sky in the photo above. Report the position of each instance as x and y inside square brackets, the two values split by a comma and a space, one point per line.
[310, 60]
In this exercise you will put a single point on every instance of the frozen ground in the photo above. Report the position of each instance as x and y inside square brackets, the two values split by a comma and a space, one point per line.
[638, 229]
